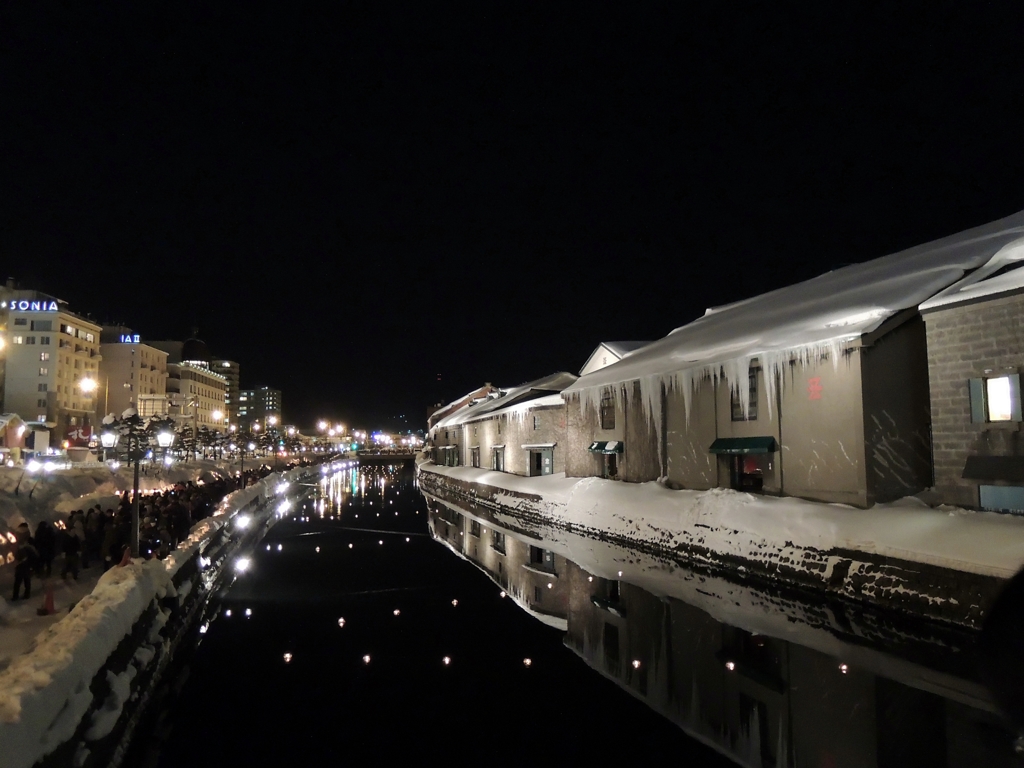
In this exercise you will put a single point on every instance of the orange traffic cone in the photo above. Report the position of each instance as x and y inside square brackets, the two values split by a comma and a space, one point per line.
[47, 609]
[126, 559]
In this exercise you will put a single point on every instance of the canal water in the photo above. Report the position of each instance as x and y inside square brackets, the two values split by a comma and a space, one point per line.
[376, 624]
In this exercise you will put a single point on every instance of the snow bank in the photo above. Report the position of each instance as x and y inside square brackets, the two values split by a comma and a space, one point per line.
[39, 496]
[734, 523]
[44, 694]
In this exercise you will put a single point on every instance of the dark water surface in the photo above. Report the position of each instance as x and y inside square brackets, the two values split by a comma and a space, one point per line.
[242, 701]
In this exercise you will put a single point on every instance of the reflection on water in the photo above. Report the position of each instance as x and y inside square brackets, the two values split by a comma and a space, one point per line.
[765, 678]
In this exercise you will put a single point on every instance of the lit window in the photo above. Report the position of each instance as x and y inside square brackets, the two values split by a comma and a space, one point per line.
[44, 371]
[44, 356]
[18, 340]
[997, 399]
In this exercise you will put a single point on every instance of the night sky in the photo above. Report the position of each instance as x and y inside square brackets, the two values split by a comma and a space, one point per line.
[352, 198]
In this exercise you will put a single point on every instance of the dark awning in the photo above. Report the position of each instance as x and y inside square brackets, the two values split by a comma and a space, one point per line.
[606, 446]
[1009, 468]
[743, 445]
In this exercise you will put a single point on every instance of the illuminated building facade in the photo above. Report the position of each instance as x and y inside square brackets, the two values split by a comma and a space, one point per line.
[132, 374]
[230, 370]
[49, 352]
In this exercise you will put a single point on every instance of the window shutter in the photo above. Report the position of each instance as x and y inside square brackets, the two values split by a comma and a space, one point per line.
[1015, 397]
[977, 387]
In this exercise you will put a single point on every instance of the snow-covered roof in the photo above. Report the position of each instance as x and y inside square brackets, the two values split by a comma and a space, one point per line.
[617, 350]
[817, 314]
[7, 418]
[515, 398]
[1002, 274]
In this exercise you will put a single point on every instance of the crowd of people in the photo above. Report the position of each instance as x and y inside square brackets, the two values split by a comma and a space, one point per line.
[102, 537]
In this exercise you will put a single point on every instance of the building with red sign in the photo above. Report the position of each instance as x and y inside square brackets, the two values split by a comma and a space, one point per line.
[818, 390]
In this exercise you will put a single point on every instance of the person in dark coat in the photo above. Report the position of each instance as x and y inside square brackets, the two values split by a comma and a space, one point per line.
[72, 546]
[46, 544]
[25, 558]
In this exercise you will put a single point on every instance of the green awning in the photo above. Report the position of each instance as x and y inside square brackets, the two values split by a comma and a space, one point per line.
[606, 446]
[737, 446]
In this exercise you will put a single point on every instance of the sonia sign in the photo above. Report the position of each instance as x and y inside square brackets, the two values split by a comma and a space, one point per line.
[25, 305]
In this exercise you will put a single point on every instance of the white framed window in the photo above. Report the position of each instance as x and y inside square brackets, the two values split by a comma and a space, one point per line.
[44, 356]
[18, 340]
[44, 371]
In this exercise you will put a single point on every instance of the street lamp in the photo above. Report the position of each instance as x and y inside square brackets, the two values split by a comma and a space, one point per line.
[164, 440]
[108, 440]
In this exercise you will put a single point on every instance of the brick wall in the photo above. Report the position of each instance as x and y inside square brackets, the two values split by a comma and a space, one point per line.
[963, 343]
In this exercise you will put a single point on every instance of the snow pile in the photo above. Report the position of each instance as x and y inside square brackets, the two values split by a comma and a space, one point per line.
[44, 694]
[806, 322]
[732, 523]
[33, 497]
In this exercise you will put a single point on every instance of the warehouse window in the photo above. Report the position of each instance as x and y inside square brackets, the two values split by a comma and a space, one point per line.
[995, 398]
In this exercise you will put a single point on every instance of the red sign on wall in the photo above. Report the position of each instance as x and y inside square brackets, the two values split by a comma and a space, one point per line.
[814, 388]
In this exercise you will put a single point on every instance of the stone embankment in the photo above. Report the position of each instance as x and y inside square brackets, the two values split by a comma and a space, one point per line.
[941, 564]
